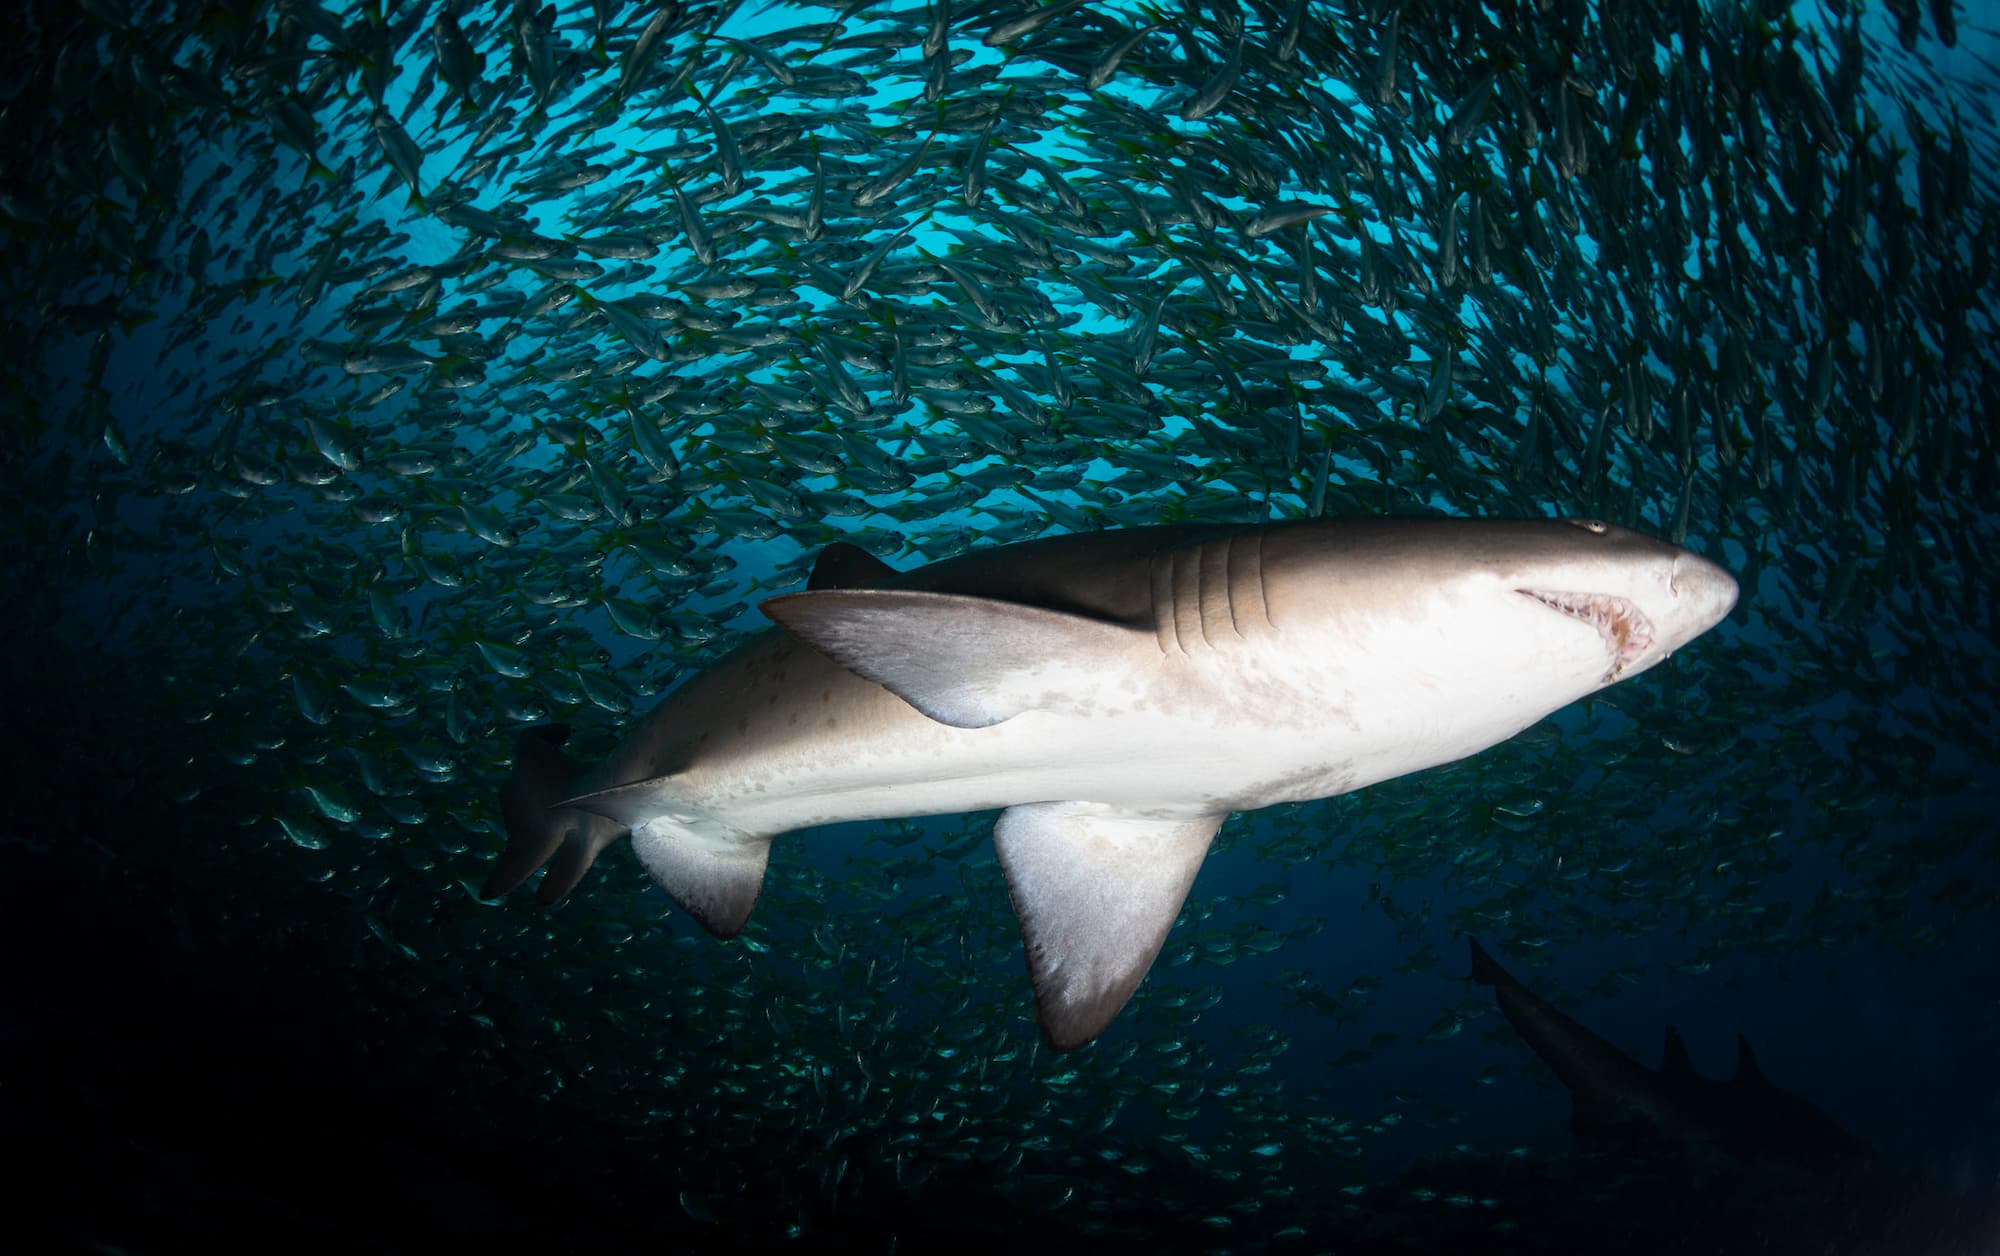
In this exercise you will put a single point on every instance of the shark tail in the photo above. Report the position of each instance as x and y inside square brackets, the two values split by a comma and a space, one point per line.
[538, 832]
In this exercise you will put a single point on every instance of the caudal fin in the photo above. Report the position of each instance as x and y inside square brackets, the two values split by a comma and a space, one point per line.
[537, 831]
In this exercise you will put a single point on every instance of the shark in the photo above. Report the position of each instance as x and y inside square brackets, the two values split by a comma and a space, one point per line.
[1116, 695]
[1712, 1126]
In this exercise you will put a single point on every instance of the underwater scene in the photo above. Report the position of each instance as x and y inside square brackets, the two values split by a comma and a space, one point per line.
[1353, 626]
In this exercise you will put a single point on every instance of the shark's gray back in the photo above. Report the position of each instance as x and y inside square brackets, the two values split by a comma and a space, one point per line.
[1103, 575]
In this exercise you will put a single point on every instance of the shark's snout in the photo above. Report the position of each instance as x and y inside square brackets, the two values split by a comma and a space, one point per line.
[1655, 610]
[1706, 588]
[1699, 595]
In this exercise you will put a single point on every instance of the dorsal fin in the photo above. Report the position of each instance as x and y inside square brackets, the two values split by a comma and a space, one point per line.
[844, 566]
[1674, 1061]
[1746, 1062]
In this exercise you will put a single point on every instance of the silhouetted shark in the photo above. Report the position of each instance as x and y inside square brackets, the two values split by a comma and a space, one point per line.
[1716, 1125]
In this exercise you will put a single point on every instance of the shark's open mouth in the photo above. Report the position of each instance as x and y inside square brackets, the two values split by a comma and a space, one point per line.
[1627, 633]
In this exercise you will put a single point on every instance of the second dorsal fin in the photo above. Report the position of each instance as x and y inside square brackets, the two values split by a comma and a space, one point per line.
[1674, 1061]
[844, 566]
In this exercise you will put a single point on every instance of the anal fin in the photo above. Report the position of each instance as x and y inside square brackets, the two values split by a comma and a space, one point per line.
[711, 870]
[711, 873]
[1096, 890]
[630, 805]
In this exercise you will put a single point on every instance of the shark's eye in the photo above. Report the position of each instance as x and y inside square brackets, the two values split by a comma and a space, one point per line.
[1592, 525]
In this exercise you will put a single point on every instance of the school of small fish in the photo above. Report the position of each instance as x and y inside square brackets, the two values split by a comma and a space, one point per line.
[382, 378]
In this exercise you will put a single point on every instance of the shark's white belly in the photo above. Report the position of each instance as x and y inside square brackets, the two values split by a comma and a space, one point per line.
[1164, 738]
[1133, 762]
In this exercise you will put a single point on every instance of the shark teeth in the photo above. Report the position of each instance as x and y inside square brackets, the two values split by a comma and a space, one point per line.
[1626, 632]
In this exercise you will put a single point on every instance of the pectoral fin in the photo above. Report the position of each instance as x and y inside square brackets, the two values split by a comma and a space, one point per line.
[1096, 891]
[969, 662]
